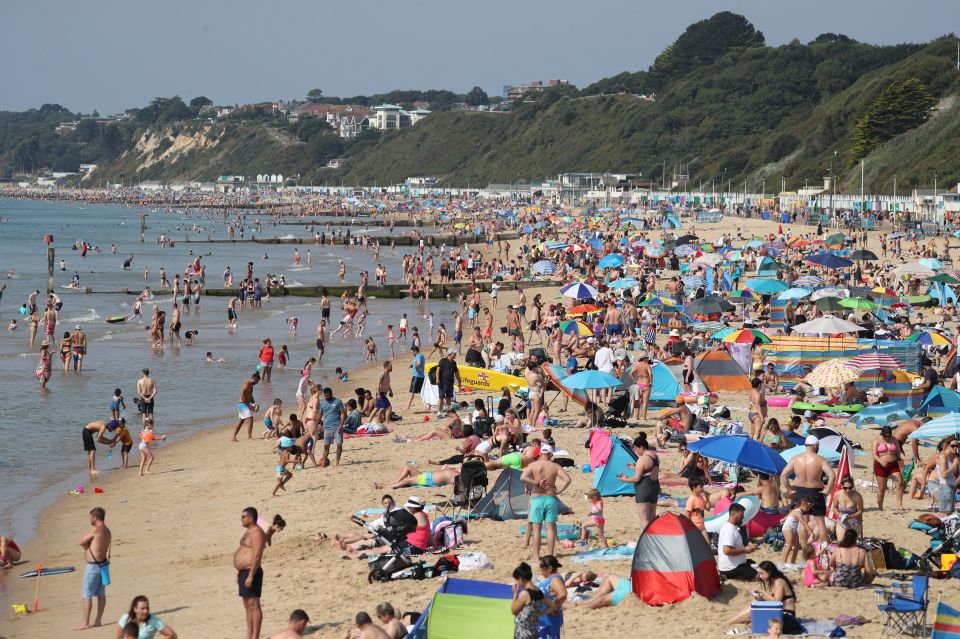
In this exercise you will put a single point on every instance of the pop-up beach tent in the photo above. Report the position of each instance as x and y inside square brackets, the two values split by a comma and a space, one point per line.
[665, 386]
[941, 401]
[507, 499]
[719, 372]
[605, 477]
[466, 609]
[672, 561]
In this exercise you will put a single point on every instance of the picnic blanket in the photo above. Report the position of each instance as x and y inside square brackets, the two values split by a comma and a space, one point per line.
[354, 435]
[605, 554]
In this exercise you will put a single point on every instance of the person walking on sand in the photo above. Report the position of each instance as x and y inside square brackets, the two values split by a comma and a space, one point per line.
[247, 407]
[247, 560]
[96, 575]
[298, 618]
[334, 418]
[417, 374]
[546, 480]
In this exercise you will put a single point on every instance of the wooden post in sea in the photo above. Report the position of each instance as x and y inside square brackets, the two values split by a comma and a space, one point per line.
[143, 225]
[50, 260]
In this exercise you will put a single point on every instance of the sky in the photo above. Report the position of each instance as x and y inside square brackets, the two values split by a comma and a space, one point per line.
[110, 55]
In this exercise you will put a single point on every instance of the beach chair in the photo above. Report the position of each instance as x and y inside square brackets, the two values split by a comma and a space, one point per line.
[467, 490]
[904, 609]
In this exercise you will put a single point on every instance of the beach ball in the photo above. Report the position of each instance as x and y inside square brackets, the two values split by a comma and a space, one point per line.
[586, 468]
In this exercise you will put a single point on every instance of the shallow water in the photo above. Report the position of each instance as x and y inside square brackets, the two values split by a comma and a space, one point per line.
[42, 451]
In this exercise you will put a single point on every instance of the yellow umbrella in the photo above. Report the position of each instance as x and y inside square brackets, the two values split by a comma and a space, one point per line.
[833, 373]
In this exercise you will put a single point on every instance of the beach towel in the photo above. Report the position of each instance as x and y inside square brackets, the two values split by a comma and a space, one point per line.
[605, 554]
[353, 435]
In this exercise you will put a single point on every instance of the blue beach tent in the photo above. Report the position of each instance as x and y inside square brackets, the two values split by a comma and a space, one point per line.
[605, 478]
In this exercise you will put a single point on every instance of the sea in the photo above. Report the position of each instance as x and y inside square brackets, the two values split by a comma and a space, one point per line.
[41, 456]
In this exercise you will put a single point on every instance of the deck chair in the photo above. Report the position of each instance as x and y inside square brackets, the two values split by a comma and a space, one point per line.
[905, 610]
[467, 490]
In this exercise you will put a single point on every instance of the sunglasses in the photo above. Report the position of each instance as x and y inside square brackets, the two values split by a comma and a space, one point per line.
[848, 487]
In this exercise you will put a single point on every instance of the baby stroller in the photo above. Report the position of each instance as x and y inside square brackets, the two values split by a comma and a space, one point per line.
[944, 538]
[398, 563]
[618, 411]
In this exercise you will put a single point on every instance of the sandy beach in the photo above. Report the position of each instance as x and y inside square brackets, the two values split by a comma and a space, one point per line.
[175, 531]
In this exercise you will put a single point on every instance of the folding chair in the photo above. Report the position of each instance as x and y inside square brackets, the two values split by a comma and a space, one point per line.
[904, 610]
[468, 488]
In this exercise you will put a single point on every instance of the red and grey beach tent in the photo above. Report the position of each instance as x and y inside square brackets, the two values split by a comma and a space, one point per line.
[672, 561]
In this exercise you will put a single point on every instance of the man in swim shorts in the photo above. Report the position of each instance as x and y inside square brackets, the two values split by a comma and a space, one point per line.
[809, 468]
[96, 575]
[79, 341]
[246, 407]
[247, 560]
[546, 480]
[147, 389]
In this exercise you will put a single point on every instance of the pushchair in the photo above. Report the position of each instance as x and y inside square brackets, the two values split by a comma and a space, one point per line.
[398, 563]
[618, 411]
[944, 538]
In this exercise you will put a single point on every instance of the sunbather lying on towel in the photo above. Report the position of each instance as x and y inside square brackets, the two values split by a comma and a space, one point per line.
[413, 476]
[611, 592]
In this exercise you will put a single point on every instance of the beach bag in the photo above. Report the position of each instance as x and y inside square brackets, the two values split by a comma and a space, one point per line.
[447, 563]
[432, 375]
[448, 533]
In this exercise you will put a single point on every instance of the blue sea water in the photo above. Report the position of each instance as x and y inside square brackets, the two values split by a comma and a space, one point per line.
[41, 455]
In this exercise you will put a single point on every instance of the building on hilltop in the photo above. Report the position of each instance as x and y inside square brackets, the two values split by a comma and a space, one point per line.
[516, 91]
[346, 119]
[390, 117]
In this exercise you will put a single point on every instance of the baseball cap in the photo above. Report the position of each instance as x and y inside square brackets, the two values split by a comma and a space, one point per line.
[112, 424]
[413, 502]
[77, 327]
[811, 440]
[451, 351]
[546, 449]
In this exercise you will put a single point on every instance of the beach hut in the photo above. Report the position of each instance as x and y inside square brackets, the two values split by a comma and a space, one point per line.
[672, 561]
[507, 499]
[719, 372]
[605, 477]
[466, 608]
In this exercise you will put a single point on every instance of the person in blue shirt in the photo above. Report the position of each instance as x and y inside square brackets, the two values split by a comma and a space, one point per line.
[417, 374]
[334, 418]
[150, 626]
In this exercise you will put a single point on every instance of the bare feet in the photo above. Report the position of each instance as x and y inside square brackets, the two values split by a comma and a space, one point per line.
[86, 626]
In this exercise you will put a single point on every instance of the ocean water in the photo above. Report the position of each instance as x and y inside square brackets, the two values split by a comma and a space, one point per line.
[42, 454]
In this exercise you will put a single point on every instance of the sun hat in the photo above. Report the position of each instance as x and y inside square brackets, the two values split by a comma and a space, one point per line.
[414, 502]
[643, 355]
[674, 332]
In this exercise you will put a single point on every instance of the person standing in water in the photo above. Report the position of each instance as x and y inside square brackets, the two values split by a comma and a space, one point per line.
[79, 341]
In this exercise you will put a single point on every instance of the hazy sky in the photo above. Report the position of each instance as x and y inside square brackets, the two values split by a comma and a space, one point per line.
[114, 54]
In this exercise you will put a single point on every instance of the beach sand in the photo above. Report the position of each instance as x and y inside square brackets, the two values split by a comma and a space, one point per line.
[175, 532]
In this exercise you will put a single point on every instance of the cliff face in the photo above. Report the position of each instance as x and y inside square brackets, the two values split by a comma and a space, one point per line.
[203, 151]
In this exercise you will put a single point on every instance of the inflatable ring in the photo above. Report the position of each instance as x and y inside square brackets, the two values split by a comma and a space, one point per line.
[750, 503]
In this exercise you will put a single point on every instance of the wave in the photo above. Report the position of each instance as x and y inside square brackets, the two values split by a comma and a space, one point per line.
[90, 316]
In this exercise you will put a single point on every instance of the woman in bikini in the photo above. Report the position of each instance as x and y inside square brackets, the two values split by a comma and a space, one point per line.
[848, 509]
[66, 349]
[887, 460]
[757, 413]
[776, 588]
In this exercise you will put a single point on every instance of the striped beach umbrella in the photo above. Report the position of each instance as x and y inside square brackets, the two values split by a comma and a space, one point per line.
[580, 291]
[808, 281]
[657, 301]
[745, 336]
[544, 267]
[743, 296]
[694, 281]
[929, 338]
[654, 250]
[685, 250]
[572, 327]
[875, 360]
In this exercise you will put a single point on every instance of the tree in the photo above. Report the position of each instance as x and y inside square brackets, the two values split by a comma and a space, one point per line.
[325, 146]
[112, 141]
[900, 107]
[87, 131]
[315, 96]
[199, 102]
[477, 97]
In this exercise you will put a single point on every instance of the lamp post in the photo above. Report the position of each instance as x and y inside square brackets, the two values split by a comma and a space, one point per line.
[894, 186]
[48, 240]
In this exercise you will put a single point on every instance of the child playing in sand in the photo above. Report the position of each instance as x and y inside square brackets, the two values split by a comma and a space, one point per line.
[287, 455]
[696, 505]
[793, 536]
[273, 419]
[116, 404]
[148, 439]
[813, 575]
[596, 513]
[342, 375]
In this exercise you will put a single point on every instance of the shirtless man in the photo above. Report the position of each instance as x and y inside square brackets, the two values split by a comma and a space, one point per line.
[247, 561]
[246, 407]
[322, 336]
[613, 322]
[535, 384]
[49, 321]
[232, 312]
[175, 324]
[809, 467]
[96, 550]
[96, 432]
[298, 618]
[147, 389]
[513, 322]
[546, 480]
[903, 431]
[384, 390]
[642, 376]
[365, 629]
[79, 341]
